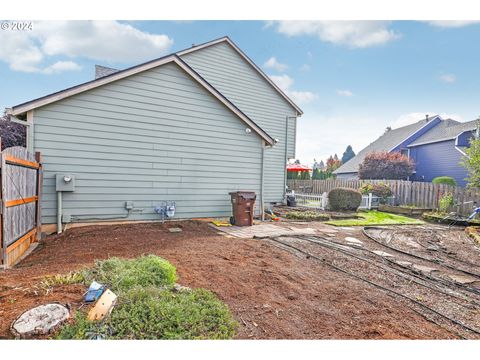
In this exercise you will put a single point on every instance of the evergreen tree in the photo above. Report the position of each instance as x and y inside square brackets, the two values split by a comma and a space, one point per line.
[348, 154]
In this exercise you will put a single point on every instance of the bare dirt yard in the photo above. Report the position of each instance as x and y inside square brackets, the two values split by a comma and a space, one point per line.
[279, 288]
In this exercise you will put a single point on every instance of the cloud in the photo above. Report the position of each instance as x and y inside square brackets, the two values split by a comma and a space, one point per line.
[354, 34]
[61, 66]
[448, 78]
[302, 97]
[273, 63]
[320, 135]
[411, 118]
[344, 93]
[285, 83]
[452, 23]
[305, 67]
[110, 41]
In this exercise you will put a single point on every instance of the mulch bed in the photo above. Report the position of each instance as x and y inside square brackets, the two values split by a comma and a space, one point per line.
[272, 293]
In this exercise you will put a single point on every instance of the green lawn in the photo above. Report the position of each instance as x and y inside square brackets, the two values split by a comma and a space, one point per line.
[376, 218]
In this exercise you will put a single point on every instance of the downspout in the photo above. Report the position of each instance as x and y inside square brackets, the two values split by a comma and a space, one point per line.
[408, 156]
[285, 162]
[59, 212]
[262, 200]
[29, 140]
[286, 158]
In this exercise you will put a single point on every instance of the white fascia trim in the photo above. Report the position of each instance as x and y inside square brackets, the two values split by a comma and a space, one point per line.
[244, 56]
[430, 142]
[427, 123]
[460, 150]
[129, 72]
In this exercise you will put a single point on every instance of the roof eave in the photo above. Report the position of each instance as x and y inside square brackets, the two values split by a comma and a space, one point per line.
[250, 61]
[48, 99]
[416, 131]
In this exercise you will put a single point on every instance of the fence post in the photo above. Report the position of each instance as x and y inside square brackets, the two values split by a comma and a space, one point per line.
[369, 204]
[324, 200]
[38, 207]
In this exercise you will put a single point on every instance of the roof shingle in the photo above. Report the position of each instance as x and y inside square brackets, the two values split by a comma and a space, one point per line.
[386, 142]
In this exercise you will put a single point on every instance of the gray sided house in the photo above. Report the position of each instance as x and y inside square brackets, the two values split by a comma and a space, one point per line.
[188, 127]
[435, 145]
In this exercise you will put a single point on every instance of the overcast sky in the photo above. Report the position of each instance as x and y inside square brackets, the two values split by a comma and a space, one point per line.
[352, 79]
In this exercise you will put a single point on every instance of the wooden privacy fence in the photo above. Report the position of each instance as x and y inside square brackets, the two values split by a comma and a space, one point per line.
[419, 194]
[21, 181]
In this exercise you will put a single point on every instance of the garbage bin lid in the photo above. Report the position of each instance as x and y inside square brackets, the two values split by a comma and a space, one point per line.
[244, 194]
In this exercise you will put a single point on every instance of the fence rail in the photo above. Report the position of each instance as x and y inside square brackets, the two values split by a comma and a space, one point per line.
[419, 194]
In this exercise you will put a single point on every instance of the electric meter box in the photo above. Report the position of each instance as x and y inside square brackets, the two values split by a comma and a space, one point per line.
[65, 182]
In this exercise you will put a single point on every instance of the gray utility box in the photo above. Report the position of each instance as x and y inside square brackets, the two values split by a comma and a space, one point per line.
[65, 182]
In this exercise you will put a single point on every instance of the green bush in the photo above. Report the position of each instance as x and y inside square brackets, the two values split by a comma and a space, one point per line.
[379, 189]
[123, 274]
[344, 199]
[444, 180]
[154, 313]
[307, 216]
[445, 202]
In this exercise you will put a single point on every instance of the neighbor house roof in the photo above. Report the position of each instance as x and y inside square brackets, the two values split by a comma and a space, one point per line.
[387, 142]
[448, 129]
[114, 76]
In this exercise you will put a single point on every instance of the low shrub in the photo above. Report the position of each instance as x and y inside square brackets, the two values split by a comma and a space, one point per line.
[445, 202]
[123, 274]
[63, 279]
[379, 189]
[307, 216]
[154, 313]
[447, 180]
[344, 199]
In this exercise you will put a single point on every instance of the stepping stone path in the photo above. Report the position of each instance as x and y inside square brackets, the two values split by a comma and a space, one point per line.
[423, 268]
[265, 230]
[382, 253]
[463, 279]
[329, 231]
[175, 230]
[353, 241]
[40, 320]
[404, 263]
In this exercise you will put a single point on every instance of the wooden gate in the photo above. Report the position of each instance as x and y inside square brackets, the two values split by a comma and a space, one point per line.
[21, 181]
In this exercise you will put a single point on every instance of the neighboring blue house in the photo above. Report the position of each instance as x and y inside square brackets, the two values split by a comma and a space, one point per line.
[435, 145]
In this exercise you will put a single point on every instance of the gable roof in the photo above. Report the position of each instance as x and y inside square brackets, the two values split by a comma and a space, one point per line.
[387, 142]
[245, 57]
[448, 129]
[48, 99]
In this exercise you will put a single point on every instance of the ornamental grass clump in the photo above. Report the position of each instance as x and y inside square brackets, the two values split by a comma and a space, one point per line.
[123, 274]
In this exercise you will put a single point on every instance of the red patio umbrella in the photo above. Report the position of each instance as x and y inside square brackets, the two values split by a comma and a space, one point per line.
[297, 168]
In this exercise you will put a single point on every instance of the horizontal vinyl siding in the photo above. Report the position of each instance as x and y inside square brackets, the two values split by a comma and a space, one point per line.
[291, 141]
[150, 137]
[347, 176]
[438, 159]
[229, 73]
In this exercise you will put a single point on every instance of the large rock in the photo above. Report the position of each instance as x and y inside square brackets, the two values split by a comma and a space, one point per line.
[40, 320]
